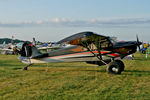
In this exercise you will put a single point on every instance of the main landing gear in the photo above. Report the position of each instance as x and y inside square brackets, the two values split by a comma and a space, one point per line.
[115, 67]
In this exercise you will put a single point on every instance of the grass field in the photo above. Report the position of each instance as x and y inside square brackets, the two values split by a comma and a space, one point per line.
[73, 81]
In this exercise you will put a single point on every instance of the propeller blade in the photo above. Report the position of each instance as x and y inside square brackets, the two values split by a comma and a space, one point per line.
[137, 38]
[138, 45]
[138, 42]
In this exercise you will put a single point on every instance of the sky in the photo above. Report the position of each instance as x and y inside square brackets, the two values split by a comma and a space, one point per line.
[53, 20]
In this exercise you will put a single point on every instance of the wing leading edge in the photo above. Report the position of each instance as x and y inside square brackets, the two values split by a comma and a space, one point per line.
[79, 38]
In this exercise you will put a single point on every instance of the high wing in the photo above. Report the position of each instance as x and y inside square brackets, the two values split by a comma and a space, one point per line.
[84, 41]
[80, 38]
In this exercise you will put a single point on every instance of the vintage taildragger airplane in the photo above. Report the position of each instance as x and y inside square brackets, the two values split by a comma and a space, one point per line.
[84, 47]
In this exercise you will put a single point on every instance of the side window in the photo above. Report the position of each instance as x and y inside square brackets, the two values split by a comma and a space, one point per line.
[105, 43]
[92, 46]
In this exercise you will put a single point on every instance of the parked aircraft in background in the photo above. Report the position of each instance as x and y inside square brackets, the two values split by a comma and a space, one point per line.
[11, 48]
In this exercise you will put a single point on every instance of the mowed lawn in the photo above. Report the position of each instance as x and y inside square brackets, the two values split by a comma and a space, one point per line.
[73, 81]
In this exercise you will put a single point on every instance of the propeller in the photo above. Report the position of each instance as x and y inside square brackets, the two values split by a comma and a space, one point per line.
[138, 45]
[138, 42]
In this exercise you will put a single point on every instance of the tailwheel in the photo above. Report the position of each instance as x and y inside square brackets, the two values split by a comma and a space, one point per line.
[115, 67]
[25, 68]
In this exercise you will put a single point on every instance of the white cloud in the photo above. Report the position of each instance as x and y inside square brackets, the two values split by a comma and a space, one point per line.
[78, 23]
[56, 20]
[39, 22]
[120, 21]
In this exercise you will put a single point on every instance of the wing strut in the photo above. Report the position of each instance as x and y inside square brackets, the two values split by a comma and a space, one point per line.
[98, 45]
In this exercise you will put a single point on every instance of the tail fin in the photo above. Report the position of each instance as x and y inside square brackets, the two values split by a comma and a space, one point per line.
[29, 50]
[37, 54]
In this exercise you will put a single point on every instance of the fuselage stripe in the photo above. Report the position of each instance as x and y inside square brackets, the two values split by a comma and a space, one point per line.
[102, 52]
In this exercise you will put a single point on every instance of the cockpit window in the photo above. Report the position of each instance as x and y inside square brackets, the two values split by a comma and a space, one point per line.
[104, 44]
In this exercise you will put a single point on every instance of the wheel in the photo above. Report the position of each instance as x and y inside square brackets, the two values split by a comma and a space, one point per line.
[25, 68]
[121, 64]
[115, 67]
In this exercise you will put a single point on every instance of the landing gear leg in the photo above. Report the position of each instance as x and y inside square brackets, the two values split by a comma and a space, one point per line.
[26, 67]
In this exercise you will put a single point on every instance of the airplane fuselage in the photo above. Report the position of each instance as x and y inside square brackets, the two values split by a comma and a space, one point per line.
[81, 54]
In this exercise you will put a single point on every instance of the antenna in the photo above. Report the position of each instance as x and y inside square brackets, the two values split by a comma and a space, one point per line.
[34, 42]
[12, 39]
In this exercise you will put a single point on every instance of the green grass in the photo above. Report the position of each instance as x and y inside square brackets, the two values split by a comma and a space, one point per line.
[73, 81]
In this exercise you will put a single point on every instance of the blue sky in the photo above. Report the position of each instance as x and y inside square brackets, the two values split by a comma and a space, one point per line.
[52, 20]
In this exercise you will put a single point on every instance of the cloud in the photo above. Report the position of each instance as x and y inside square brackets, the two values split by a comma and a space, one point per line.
[59, 22]
[121, 21]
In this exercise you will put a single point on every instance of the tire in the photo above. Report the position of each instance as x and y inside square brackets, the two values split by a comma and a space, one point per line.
[25, 68]
[121, 64]
[115, 67]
